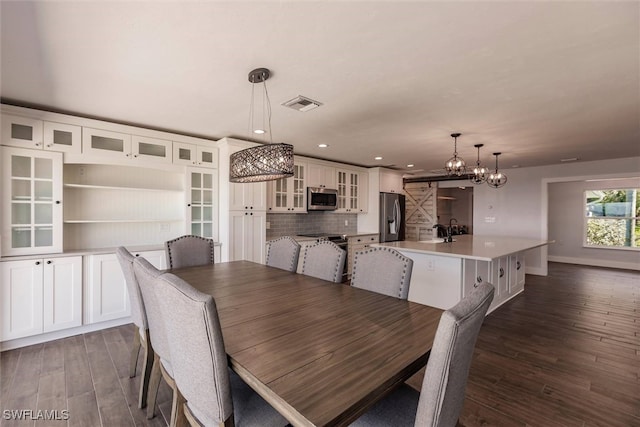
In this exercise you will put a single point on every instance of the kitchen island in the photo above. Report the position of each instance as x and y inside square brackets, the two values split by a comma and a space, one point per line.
[443, 273]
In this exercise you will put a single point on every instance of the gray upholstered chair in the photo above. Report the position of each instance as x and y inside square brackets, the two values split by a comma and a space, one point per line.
[146, 274]
[382, 270]
[189, 251]
[442, 396]
[215, 396]
[139, 317]
[283, 253]
[324, 260]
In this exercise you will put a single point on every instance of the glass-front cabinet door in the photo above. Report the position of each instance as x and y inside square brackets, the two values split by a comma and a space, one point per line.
[32, 201]
[202, 208]
[289, 194]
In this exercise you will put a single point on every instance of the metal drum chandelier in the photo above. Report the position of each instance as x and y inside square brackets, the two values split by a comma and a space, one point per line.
[263, 162]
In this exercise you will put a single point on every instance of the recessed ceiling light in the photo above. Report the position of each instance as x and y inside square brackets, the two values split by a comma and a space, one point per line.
[259, 131]
[378, 158]
[323, 145]
[410, 166]
[571, 159]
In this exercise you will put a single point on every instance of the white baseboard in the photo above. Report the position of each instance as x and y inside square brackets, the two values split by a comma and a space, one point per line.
[38, 339]
[595, 262]
[536, 271]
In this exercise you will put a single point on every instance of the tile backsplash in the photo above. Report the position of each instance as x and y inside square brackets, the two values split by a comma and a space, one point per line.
[290, 224]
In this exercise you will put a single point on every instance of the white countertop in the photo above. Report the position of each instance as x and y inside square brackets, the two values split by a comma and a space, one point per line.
[484, 248]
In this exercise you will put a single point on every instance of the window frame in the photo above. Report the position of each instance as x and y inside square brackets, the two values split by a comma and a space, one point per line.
[635, 221]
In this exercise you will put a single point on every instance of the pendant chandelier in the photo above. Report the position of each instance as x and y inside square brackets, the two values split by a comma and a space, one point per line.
[496, 179]
[263, 162]
[479, 173]
[455, 165]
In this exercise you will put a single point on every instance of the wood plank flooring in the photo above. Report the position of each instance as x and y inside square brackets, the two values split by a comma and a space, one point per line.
[566, 352]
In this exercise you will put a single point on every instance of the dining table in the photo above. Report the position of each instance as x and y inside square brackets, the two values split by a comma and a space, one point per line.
[320, 353]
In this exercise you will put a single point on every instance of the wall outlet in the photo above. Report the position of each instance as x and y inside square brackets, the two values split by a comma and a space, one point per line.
[490, 219]
[430, 265]
[164, 226]
[268, 225]
[346, 222]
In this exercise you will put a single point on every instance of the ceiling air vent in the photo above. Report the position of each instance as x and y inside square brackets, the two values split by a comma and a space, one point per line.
[302, 103]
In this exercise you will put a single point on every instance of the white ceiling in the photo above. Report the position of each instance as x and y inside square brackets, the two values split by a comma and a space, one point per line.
[538, 81]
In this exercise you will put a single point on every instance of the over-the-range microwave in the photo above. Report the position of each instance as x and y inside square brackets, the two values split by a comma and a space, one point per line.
[322, 199]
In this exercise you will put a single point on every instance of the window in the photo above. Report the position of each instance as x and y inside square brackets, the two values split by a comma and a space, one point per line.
[612, 218]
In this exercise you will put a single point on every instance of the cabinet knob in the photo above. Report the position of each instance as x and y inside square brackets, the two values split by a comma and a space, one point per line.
[501, 272]
[479, 279]
[188, 204]
[246, 213]
[49, 145]
[246, 207]
[475, 285]
[37, 262]
[38, 144]
[49, 261]
[135, 155]
[518, 265]
[58, 202]
[137, 254]
[251, 213]
[128, 154]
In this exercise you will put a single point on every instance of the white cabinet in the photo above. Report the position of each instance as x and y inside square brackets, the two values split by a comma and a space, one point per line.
[150, 150]
[249, 196]
[202, 204]
[194, 155]
[289, 194]
[358, 243]
[28, 132]
[31, 201]
[516, 273]
[390, 182]
[106, 144]
[40, 295]
[248, 235]
[105, 287]
[352, 191]
[321, 176]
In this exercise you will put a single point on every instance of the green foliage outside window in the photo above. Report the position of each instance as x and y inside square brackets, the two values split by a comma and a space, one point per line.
[613, 218]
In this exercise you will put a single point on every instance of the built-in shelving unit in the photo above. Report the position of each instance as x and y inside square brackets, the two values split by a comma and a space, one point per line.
[106, 205]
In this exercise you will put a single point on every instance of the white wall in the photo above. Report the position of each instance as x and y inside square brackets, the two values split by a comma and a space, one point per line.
[566, 225]
[520, 207]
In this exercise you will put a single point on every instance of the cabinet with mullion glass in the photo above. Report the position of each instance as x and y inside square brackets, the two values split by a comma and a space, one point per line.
[32, 201]
[202, 208]
[289, 194]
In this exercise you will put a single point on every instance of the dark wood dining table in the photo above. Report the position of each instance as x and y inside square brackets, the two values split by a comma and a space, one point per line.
[320, 353]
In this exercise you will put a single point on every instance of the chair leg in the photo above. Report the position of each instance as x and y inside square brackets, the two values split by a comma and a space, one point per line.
[178, 418]
[135, 350]
[154, 384]
[147, 367]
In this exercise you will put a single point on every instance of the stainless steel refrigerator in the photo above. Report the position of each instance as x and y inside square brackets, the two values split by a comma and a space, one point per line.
[392, 221]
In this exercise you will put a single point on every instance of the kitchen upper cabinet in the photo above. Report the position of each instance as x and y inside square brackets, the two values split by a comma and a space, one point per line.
[390, 182]
[31, 201]
[202, 205]
[106, 144]
[33, 133]
[106, 292]
[248, 231]
[40, 295]
[321, 176]
[352, 191]
[150, 150]
[194, 155]
[289, 194]
[249, 196]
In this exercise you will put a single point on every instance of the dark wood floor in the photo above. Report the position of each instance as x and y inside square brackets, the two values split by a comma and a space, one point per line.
[566, 352]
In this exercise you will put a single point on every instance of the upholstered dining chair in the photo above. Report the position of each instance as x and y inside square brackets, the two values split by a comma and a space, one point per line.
[162, 368]
[324, 260]
[441, 398]
[139, 317]
[189, 251]
[215, 396]
[382, 270]
[283, 253]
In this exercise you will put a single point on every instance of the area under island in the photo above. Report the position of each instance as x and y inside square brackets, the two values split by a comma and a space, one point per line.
[445, 272]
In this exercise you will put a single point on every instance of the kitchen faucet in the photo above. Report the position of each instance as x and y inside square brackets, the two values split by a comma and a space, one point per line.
[450, 230]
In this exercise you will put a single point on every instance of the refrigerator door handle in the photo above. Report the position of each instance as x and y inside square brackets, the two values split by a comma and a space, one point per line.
[393, 226]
